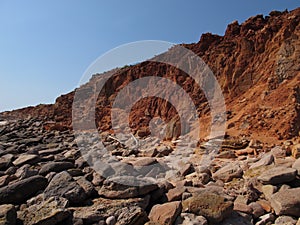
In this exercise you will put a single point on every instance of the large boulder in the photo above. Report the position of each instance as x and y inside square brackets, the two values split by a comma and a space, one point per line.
[287, 202]
[278, 175]
[22, 190]
[63, 185]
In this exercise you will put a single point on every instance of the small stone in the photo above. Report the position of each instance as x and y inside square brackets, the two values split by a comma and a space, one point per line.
[52, 151]
[241, 199]
[111, 220]
[257, 209]
[74, 172]
[144, 161]
[266, 219]
[151, 152]
[87, 186]
[278, 175]
[227, 173]
[25, 171]
[265, 205]
[296, 151]
[164, 150]
[242, 208]
[296, 166]
[278, 152]
[198, 179]
[284, 187]
[240, 204]
[26, 159]
[226, 155]
[191, 219]
[97, 179]
[8, 215]
[186, 195]
[186, 169]
[237, 219]
[268, 191]
[5, 161]
[165, 213]
[175, 194]
[4, 180]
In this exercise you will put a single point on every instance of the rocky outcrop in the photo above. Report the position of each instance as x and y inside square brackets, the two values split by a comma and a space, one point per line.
[256, 64]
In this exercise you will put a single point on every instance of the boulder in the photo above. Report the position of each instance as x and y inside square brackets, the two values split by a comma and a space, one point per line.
[165, 213]
[130, 210]
[26, 159]
[228, 172]
[63, 185]
[285, 220]
[212, 206]
[55, 167]
[127, 187]
[264, 161]
[278, 175]
[49, 212]
[287, 202]
[22, 190]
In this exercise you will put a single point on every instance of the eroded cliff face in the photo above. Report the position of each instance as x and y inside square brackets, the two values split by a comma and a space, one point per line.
[257, 64]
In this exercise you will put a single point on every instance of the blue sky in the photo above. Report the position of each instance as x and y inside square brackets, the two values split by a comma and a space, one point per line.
[45, 46]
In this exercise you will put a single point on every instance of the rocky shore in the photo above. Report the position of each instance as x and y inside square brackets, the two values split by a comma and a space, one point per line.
[50, 177]
[44, 179]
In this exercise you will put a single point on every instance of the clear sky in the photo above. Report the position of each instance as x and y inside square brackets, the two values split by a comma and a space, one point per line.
[45, 46]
